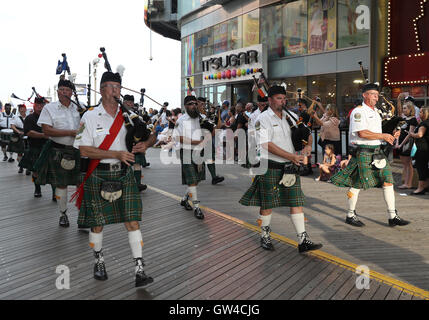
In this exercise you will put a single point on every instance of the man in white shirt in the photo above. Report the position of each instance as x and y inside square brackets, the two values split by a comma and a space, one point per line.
[6, 119]
[277, 187]
[188, 132]
[102, 203]
[17, 143]
[251, 133]
[368, 167]
[60, 161]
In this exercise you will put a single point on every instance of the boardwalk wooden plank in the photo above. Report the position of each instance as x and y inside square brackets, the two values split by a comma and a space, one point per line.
[314, 294]
[334, 286]
[373, 287]
[394, 294]
[405, 296]
[382, 292]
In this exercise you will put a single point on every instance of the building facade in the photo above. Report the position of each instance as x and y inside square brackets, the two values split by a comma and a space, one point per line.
[314, 45]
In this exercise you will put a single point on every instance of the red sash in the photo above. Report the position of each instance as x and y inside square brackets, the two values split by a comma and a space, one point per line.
[105, 145]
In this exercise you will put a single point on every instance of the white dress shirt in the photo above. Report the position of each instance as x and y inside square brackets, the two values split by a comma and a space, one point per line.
[94, 127]
[6, 120]
[364, 118]
[189, 128]
[270, 128]
[60, 117]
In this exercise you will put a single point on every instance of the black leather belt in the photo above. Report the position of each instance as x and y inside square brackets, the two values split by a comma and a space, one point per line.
[276, 165]
[60, 146]
[111, 167]
[369, 150]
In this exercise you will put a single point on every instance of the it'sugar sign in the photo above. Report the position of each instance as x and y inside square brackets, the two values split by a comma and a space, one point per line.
[63, 281]
[363, 280]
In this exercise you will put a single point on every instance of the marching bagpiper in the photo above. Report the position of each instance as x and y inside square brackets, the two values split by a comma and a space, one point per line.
[6, 119]
[16, 144]
[278, 187]
[368, 167]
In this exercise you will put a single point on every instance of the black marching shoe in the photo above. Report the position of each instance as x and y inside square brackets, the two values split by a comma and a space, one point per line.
[27, 172]
[64, 220]
[266, 239]
[141, 278]
[11, 160]
[99, 267]
[5, 158]
[354, 221]
[217, 180]
[397, 221]
[37, 193]
[54, 198]
[185, 203]
[21, 170]
[308, 245]
[142, 187]
[198, 213]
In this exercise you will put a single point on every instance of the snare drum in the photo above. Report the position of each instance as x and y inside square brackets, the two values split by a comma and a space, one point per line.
[6, 135]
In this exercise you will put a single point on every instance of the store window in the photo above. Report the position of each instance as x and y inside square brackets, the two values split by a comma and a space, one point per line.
[251, 28]
[235, 33]
[220, 38]
[324, 87]
[349, 90]
[284, 29]
[203, 47]
[354, 22]
[322, 28]
[293, 85]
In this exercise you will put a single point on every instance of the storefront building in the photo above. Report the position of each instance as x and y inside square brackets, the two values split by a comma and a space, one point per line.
[315, 45]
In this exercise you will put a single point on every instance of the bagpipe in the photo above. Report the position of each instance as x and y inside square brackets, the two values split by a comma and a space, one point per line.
[137, 130]
[300, 131]
[72, 78]
[386, 110]
[205, 123]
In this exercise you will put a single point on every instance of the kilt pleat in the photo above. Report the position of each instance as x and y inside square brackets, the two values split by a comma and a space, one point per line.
[266, 192]
[360, 174]
[96, 211]
[49, 170]
[30, 157]
[190, 173]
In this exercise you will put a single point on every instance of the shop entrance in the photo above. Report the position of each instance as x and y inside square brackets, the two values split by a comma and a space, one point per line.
[243, 92]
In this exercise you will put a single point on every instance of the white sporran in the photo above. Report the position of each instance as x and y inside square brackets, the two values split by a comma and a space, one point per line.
[288, 180]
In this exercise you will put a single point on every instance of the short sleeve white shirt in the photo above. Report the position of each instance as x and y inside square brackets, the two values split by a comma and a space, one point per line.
[6, 120]
[94, 127]
[364, 118]
[270, 128]
[60, 117]
[189, 128]
[17, 122]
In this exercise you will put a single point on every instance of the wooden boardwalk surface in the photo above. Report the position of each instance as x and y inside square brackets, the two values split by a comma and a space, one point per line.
[217, 258]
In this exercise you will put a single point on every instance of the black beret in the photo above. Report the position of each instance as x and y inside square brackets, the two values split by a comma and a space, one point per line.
[129, 97]
[111, 77]
[189, 99]
[202, 99]
[264, 99]
[276, 90]
[39, 100]
[65, 83]
[370, 86]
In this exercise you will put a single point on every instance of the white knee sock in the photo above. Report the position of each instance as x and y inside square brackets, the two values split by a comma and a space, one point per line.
[353, 196]
[389, 197]
[96, 241]
[61, 195]
[299, 224]
[264, 221]
[192, 191]
[136, 243]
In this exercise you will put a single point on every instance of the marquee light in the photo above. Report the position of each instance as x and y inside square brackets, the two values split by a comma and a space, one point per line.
[410, 56]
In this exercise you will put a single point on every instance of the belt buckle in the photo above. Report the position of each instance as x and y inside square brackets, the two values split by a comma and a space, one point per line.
[115, 166]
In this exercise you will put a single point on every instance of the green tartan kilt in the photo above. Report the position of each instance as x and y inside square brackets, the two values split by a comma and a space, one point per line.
[30, 157]
[17, 147]
[360, 174]
[190, 173]
[95, 211]
[140, 159]
[266, 192]
[49, 170]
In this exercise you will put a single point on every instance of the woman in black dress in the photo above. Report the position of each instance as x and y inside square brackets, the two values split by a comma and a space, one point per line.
[405, 144]
[421, 137]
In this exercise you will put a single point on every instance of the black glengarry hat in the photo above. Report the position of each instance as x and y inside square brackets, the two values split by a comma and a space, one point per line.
[264, 99]
[189, 99]
[111, 77]
[129, 97]
[276, 90]
[65, 83]
[370, 86]
[39, 100]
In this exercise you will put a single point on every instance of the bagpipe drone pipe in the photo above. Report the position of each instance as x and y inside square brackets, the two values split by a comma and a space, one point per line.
[137, 131]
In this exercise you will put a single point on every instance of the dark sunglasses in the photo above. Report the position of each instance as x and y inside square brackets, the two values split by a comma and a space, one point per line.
[191, 104]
